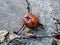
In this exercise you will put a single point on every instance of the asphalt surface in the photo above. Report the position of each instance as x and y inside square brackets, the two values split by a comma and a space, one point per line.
[13, 11]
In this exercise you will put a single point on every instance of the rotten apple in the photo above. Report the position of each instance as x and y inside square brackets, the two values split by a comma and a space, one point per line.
[30, 20]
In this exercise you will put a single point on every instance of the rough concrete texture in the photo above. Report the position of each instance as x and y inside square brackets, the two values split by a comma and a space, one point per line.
[12, 12]
[44, 9]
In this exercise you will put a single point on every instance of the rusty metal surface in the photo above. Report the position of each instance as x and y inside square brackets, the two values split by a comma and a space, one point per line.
[12, 12]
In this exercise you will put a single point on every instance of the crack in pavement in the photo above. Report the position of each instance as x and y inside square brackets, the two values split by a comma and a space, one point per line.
[28, 6]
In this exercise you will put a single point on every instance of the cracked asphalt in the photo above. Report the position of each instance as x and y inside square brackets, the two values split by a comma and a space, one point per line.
[12, 12]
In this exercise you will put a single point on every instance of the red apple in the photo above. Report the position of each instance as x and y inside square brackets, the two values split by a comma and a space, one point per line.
[30, 20]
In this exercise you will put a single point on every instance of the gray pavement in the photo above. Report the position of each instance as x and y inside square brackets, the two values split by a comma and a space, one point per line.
[12, 12]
